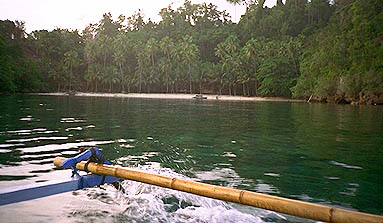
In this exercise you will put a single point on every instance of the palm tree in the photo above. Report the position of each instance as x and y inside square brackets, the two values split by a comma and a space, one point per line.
[141, 68]
[104, 44]
[228, 52]
[205, 72]
[112, 76]
[235, 3]
[119, 56]
[71, 60]
[190, 53]
[96, 70]
[250, 54]
[177, 58]
[90, 53]
[166, 46]
[151, 49]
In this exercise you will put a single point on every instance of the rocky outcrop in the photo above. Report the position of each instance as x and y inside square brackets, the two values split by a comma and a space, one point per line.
[363, 98]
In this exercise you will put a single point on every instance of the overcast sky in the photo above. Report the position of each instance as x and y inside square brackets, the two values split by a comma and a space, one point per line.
[77, 14]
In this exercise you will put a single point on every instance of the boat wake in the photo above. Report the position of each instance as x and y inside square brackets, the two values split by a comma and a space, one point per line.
[147, 203]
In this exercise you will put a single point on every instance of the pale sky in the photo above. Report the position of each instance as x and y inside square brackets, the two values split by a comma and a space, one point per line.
[77, 14]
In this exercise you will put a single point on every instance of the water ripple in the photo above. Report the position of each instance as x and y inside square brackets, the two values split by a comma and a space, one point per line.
[345, 165]
[11, 145]
[38, 139]
[65, 146]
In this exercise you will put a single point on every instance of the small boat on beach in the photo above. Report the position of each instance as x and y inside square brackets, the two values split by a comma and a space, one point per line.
[199, 96]
[70, 93]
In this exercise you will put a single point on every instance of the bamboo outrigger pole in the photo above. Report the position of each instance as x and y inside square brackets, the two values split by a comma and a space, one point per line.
[264, 201]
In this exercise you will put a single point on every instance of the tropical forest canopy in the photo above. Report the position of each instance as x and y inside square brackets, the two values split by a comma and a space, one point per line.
[324, 49]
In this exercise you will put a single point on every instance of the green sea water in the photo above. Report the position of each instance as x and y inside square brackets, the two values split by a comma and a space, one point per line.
[322, 153]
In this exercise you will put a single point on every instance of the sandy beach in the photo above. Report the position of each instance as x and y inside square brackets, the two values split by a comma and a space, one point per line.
[172, 96]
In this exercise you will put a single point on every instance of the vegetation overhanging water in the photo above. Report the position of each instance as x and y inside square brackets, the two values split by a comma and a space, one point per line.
[323, 50]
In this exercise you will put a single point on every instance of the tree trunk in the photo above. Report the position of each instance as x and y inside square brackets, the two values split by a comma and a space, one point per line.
[122, 79]
[70, 78]
[190, 81]
[293, 58]
[104, 71]
[256, 87]
[166, 73]
[220, 86]
[167, 83]
[104, 62]
[152, 71]
[243, 89]
[200, 86]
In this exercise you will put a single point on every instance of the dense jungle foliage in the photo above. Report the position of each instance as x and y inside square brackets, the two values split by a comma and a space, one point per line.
[327, 50]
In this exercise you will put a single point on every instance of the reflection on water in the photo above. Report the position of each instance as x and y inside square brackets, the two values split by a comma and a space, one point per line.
[328, 154]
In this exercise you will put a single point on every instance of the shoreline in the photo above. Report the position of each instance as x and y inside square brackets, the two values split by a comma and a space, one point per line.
[209, 97]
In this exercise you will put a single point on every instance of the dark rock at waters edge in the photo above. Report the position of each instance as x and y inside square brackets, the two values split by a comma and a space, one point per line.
[371, 98]
[363, 99]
